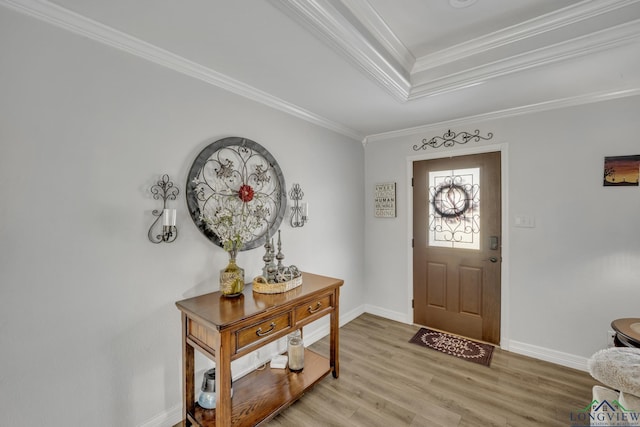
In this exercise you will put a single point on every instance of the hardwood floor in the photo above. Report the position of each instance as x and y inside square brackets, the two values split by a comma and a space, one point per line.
[387, 381]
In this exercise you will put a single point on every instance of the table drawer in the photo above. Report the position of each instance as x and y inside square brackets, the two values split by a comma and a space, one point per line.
[313, 307]
[263, 330]
[202, 335]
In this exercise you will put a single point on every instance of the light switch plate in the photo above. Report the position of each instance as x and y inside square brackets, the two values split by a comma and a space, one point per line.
[525, 221]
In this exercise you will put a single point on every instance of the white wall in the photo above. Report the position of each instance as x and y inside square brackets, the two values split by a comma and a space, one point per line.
[87, 314]
[87, 302]
[571, 275]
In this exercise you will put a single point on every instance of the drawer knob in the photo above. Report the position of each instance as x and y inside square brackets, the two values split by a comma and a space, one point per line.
[313, 310]
[259, 332]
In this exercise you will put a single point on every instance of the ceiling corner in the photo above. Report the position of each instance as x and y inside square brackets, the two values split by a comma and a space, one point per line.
[334, 28]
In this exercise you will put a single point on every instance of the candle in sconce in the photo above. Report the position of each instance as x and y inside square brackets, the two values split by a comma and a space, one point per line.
[305, 209]
[169, 217]
[165, 217]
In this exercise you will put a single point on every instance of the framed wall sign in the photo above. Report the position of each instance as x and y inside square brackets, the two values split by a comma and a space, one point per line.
[622, 171]
[384, 200]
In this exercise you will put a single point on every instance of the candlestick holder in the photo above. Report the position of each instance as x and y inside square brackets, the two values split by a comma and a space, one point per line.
[299, 210]
[276, 278]
[164, 190]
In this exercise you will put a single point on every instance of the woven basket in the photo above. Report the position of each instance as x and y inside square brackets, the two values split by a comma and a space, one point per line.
[261, 286]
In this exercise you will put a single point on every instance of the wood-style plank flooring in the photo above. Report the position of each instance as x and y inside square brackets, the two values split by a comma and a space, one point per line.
[388, 382]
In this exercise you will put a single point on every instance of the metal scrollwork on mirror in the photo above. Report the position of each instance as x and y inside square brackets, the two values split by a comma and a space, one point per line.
[221, 176]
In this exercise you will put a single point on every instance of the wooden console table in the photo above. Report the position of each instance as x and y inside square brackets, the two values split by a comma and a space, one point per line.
[225, 329]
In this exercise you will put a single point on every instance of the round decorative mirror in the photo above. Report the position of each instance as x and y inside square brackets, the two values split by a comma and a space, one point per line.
[236, 187]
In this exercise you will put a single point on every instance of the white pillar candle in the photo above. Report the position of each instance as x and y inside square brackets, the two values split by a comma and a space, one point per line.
[305, 209]
[169, 217]
[295, 352]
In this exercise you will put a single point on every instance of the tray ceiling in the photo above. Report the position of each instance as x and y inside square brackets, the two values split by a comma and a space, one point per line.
[369, 67]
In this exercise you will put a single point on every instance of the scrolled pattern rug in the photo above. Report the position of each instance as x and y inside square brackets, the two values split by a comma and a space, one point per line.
[453, 345]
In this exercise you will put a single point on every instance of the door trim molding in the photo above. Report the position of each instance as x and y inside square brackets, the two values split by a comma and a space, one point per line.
[503, 148]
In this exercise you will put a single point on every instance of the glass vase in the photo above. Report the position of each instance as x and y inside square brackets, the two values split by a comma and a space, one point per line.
[232, 279]
[295, 351]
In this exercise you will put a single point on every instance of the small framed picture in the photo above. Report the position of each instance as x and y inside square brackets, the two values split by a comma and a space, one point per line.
[621, 171]
[384, 200]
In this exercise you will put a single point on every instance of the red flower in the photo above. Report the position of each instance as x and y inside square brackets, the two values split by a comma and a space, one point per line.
[245, 193]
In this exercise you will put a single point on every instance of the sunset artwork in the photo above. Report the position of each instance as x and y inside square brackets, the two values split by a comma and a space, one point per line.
[620, 171]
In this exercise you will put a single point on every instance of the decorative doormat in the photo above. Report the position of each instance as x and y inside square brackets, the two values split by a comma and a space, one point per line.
[459, 347]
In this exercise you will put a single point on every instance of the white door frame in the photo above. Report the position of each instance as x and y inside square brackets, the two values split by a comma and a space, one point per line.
[504, 270]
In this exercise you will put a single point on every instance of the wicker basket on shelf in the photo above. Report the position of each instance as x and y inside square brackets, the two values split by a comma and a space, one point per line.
[261, 286]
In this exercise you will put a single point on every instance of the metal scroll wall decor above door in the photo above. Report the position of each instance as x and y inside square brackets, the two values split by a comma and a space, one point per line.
[233, 174]
[449, 139]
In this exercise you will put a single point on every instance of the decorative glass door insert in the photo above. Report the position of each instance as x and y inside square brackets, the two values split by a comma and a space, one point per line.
[454, 208]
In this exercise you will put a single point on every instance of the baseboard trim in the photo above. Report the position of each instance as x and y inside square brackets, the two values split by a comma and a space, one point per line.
[352, 314]
[387, 314]
[167, 418]
[548, 355]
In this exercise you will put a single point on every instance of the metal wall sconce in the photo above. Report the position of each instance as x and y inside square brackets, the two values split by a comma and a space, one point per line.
[300, 209]
[164, 190]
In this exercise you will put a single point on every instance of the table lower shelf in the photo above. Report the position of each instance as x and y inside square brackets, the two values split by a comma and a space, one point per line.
[260, 395]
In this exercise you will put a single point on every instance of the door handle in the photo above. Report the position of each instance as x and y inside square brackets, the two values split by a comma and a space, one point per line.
[493, 259]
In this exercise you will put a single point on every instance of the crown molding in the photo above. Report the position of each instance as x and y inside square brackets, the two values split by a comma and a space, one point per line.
[332, 26]
[329, 23]
[579, 46]
[79, 24]
[71, 21]
[582, 11]
[554, 104]
[374, 23]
